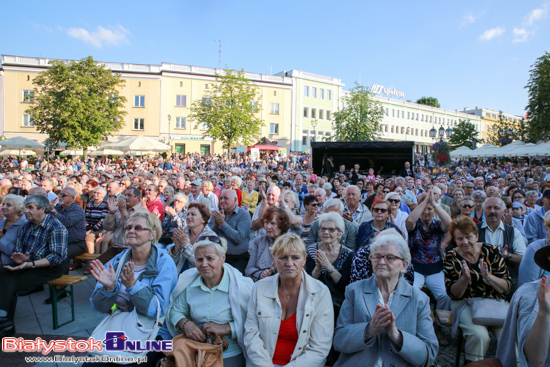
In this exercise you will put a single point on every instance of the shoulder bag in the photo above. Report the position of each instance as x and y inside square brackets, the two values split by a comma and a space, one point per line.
[485, 312]
[190, 353]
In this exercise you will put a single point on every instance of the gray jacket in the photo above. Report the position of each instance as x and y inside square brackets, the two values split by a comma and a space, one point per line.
[411, 308]
[529, 271]
[7, 242]
[348, 238]
[260, 258]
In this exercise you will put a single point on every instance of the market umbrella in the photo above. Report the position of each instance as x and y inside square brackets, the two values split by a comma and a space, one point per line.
[23, 152]
[462, 152]
[20, 142]
[106, 151]
[139, 143]
[74, 152]
[487, 150]
[508, 150]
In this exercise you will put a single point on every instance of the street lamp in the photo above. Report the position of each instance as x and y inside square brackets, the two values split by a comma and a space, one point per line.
[314, 124]
[169, 120]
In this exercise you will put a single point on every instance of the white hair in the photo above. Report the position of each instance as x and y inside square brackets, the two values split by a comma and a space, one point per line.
[392, 237]
[334, 202]
[334, 218]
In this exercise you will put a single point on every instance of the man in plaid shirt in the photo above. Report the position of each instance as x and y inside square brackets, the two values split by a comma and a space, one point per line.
[40, 255]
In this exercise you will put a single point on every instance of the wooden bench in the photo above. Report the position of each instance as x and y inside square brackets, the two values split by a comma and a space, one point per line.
[61, 283]
[87, 257]
[445, 318]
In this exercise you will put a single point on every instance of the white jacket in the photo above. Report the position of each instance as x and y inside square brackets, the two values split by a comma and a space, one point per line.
[314, 322]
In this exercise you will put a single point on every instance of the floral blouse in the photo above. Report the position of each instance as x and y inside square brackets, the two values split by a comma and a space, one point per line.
[361, 267]
[477, 288]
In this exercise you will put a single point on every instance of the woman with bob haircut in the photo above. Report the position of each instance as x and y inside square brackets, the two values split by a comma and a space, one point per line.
[384, 320]
[290, 318]
[10, 227]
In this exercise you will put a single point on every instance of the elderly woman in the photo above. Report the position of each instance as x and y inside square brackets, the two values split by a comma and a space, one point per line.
[235, 184]
[10, 227]
[479, 198]
[181, 250]
[152, 201]
[260, 264]
[378, 195]
[384, 320]
[474, 269]
[175, 218]
[520, 197]
[96, 211]
[250, 197]
[147, 274]
[458, 195]
[290, 320]
[311, 206]
[168, 197]
[123, 185]
[211, 299]
[467, 206]
[531, 198]
[529, 271]
[88, 190]
[288, 201]
[397, 216]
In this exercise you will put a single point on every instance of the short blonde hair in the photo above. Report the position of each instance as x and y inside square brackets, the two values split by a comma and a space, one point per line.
[287, 243]
[208, 185]
[292, 195]
[220, 247]
[153, 223]
[18, 202]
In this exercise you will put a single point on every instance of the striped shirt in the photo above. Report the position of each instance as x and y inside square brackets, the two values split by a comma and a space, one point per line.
[95, 215]
[47, 240]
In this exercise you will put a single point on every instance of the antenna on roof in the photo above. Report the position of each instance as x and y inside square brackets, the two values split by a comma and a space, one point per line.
[219, 53]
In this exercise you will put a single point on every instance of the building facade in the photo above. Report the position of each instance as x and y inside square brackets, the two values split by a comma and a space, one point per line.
[489, 118]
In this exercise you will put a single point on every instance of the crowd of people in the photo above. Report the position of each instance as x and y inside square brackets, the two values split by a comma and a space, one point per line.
[293, 267]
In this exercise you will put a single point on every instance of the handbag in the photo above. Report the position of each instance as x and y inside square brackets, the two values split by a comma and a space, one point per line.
[136, 327]
[485, 312]
[190, 353]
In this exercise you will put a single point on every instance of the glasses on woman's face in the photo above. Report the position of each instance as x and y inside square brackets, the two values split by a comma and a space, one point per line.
[137, 228]
[215, 239]
[315, 205]
[327, 229]
[386, 191]
[469, 206]
[394, 201]
[380, 210]
[388, 258]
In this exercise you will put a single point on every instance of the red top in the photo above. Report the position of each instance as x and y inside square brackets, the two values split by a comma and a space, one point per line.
[156, 207]
[239, 196]
[286, 341]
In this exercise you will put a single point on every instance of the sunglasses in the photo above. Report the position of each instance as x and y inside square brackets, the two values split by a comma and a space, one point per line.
[394, 201]
[137, 228]
[215, 239]
[329, 230]
[314, 205]
[386, 191]
[388, 258]
[380, 210]
[470, 206]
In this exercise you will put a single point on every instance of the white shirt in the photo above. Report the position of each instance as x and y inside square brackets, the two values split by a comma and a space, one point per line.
[496, 238]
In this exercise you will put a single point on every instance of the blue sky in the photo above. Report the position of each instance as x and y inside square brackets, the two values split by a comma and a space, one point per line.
[466, 54]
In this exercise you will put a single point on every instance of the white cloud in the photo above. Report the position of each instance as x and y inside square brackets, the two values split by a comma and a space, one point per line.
[111, 35]
[536, 15]
[40, 27]
[491, 33]
[468, 19]
[521, 34]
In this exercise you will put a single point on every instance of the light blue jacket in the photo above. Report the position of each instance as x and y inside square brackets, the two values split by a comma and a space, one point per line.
[7, 242]
[534, 225]
[158, 279]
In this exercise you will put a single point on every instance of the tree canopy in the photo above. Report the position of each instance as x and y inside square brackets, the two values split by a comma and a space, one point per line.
[77, 103]
[429, 101]
[503, 132]
[228, 110]
[464, 134]
[359, 119]
[538, 107]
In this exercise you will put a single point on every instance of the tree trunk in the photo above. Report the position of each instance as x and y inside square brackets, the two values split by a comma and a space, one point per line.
[85, 153]
[229, 150]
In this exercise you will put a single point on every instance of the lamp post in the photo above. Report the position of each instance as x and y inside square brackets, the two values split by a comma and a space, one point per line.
[169, 129]
[314, 124]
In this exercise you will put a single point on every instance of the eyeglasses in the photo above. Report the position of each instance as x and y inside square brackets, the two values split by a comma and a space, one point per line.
[329, 230]
[380, 210]
[215, 239]
[314, 204]
[386, 191]
[388, 258]
[137, 228]
[394, 201]
[470, 206]
[64, 195]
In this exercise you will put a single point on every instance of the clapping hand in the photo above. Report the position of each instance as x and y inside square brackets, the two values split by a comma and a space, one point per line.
[262, 194]
[381, 319]
[266, 273]
[104, 276]
[143, 202]
[180, 239]
[127, 275]
[504, 252]
[484, 267]
[466, 271]
[122, 204]
[20, 258]
[112, 205]
[219, 218]
[321, 258]
[169, 210]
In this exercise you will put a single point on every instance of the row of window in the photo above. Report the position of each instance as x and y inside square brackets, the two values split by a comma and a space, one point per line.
[322, 115]
[308, 136]
[495, 116]
[409, 131]
[322, 93]
[421, 117]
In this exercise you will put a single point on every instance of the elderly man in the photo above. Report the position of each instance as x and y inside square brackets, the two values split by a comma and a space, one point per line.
[39, 256]
[503, 236]
[180, 184]
[534, 223]
[196, 188]
[119, 212]
[354, 210]
[113, 189]
[492, 191]
[321, 196]
[406, 171]
[468, 188]
[349, 237]
[47, 184]
[443, 198]
[233, 223]
[270, 198]
[72, 216]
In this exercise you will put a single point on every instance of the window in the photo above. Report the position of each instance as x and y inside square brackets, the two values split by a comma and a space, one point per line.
[408, 115]
[416, 132]
[181, 100]
[306, 91]
[322, 93]
[203, 126]
[254, 106]
[385, 128]
[274, 92]
[392, 112]
[275, 108]
[180, 122]
[206, 86]
[313, 113]
[387, 113]
[328, 115]
[422, 117]
[313, 92]
[28, 96]
[431, 118]
[27, 120]
[417, 117]
[206, 100]
[320, 114]
[139, 124]
[392, 129]
[273, 128]
[402, 130]
[329, 97]
[139, 101]
[306, 112]
[181, 84]
[304, 137]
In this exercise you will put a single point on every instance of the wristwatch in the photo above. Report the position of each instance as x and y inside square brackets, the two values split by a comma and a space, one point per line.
[33, 265]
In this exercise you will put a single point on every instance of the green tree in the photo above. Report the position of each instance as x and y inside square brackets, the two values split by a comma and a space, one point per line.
[429, 101]
[228, 110]
[464, 134]
[359, 119]
[77, 103]
[503, 132]
[538, 107]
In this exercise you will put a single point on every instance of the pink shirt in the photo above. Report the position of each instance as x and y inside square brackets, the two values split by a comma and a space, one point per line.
[156, 207]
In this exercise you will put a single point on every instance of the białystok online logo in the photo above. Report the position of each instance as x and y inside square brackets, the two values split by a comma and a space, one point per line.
[114, 341]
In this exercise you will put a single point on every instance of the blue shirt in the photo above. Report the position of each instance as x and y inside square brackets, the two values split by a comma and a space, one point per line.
[48, 240]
